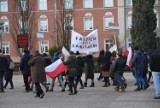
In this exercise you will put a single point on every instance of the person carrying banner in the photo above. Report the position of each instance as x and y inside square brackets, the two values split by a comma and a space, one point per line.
[71, 73]
[55, 58]
[89, 69]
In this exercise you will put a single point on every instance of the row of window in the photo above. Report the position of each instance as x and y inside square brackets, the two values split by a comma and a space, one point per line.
[43, 47]
[42, 4]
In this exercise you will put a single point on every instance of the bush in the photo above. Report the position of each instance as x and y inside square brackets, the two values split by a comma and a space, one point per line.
[54, 49]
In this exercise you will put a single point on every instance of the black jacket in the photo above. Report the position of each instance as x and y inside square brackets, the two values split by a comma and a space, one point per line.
[3, 63]
[120, 64]
[155, 62]
[24, 67]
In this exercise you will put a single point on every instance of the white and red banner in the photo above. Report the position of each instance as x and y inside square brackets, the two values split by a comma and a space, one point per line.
[55, 68]
[128, 54]
[84, 44]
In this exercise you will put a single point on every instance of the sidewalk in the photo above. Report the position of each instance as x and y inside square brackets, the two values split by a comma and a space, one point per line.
[90, 97]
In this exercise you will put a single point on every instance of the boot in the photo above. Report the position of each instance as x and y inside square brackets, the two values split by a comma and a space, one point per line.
[85, 84]
[122, 90]
[116, 89]
[92, 85]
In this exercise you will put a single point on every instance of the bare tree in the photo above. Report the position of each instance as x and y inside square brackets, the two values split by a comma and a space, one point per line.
[23, 21]
[64, 21]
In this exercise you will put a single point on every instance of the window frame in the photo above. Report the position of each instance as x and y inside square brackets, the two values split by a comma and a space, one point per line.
[5, 47]
[70, 6]
[43, 45]
[129, 2]
[5, 24]
[87, 6]
[111, 4]
[44, 7]
[110, 43]
[43, 18]
[2, 9]
[69, 16]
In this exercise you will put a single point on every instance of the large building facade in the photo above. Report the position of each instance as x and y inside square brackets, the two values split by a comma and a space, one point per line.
[125, 21]
[87, 16]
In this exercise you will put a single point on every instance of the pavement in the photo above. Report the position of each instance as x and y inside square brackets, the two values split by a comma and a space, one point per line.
[90, 97]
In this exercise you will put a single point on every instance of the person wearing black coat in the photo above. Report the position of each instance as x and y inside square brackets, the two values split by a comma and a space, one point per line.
[79, 67]
[155, 68]
[119, 70]
[3, 68]
[9, 73]
[89, 69]
[105, 67]
[25, 68]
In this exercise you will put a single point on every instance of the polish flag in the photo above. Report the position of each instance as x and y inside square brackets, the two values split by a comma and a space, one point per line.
[65, 53]
[55, 68]
[128, 54]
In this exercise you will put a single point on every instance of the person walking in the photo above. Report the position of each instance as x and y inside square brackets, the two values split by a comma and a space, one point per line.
[71, 73]
[138, 63]
[105, 66]
[119, 66]
[3, 67]
[37, 63]
[80, 65]
[25, 69]
[155, 68]
[9, 72]
[55, 58]
[89, 69]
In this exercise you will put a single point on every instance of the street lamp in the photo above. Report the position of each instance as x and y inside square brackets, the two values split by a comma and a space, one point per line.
[1, 25]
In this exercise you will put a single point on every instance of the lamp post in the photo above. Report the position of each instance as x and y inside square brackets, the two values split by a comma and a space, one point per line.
[55, 21]
[1, 25]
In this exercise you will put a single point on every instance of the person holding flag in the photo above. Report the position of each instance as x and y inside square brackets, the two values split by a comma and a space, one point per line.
[55, 58]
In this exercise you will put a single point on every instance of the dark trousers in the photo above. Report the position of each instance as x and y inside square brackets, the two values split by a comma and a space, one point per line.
[25, 78]
[72, 85]
[38, 89]
[120, 81]
[79, 80]
[1, 80]
[9, 81]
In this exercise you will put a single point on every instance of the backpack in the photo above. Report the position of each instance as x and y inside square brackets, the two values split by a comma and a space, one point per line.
[11, 65]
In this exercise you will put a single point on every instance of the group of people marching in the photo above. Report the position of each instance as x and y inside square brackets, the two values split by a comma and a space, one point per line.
[111, 65]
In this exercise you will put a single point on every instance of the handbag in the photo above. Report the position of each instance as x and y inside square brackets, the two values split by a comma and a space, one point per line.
[11, 65]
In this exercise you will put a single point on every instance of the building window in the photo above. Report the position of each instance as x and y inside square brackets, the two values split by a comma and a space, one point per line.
[4, 24]
[23, 26]
[23, 6]
[129, 43]
[42, 4]
[88, 3]
[157, 16]
[108, 18]
[68, 23]
[44, 47]
[43, 23]
[5, 48]
[108, 3]
[156, 1]
[3, 6]
[129, 20]
[88, 22]
[129, 2]
[68, 4]
[108, 44]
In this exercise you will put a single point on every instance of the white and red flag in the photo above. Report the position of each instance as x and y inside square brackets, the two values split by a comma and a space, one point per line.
[65, 53]
[128, 54]
[55, 68]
